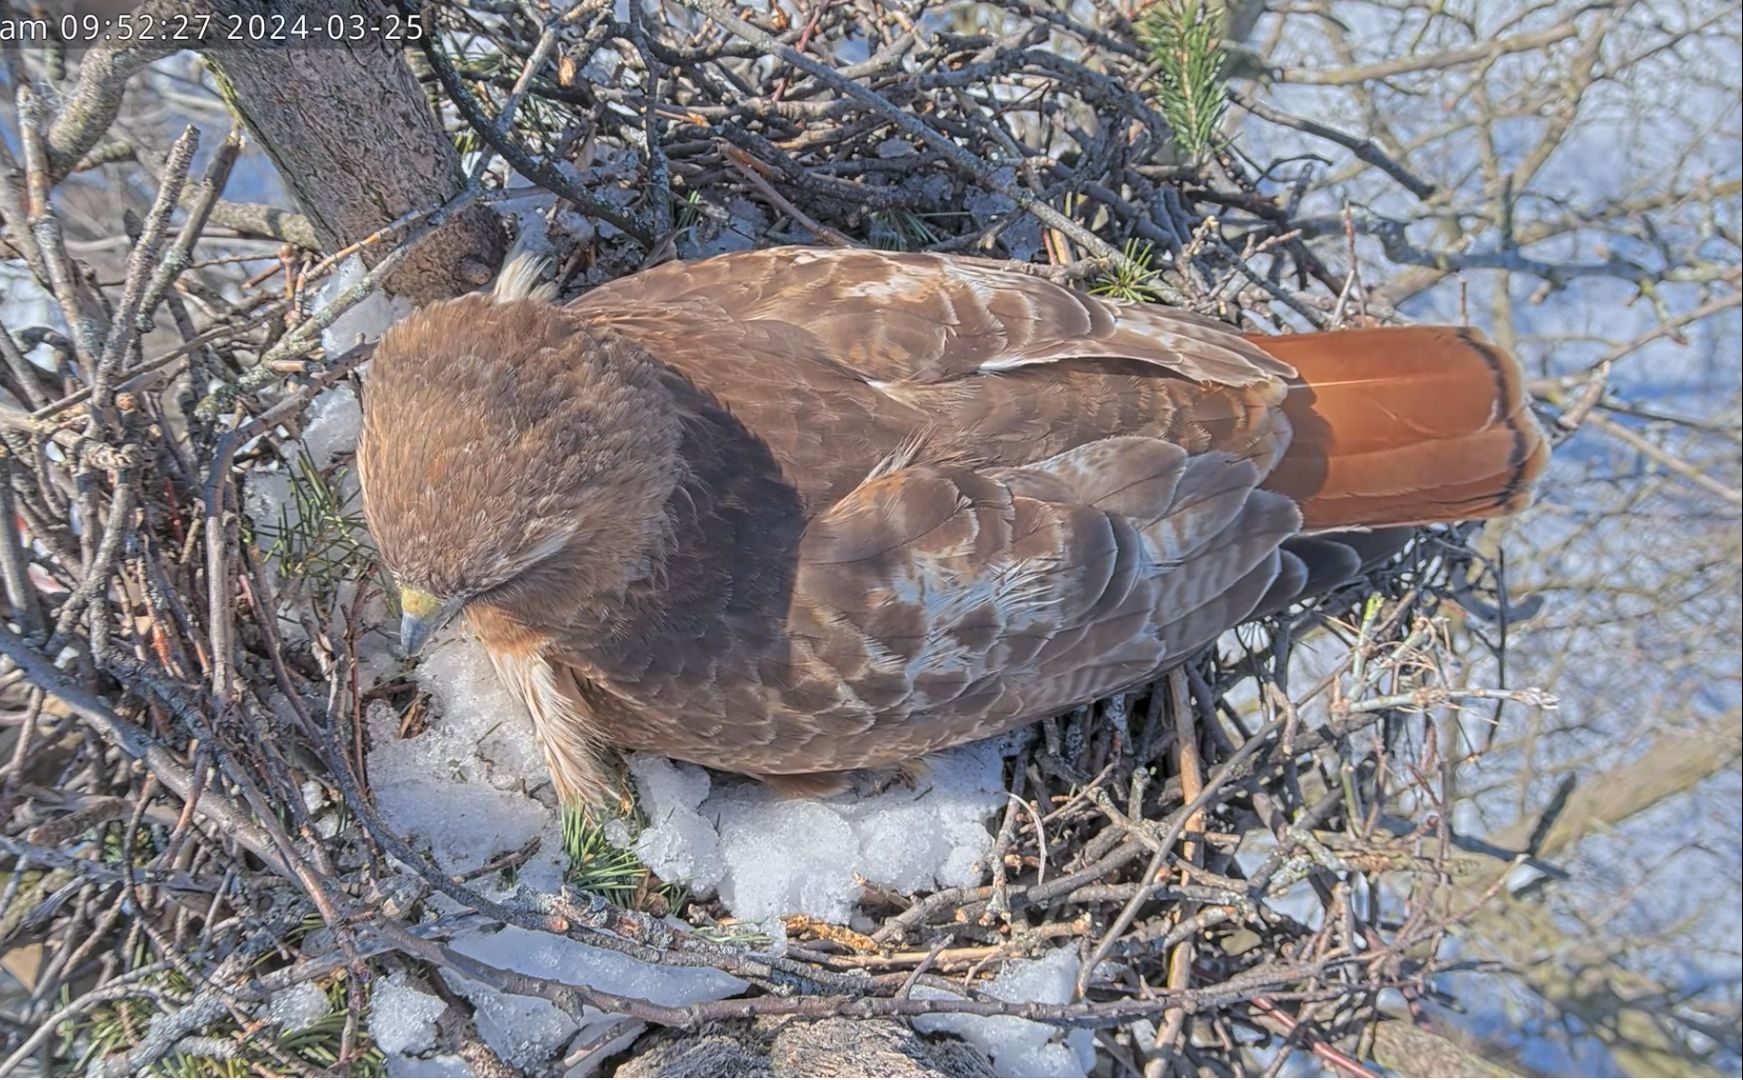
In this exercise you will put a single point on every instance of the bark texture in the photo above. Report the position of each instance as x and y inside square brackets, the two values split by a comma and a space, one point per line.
[351, 132]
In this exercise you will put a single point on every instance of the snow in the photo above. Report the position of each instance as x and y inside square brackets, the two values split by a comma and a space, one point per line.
[24, 304]
[440, 1065]
[296, 1008]
[330, 425]
[478, 710]
[402, 1020]
[438, 790]
[469, 787]
[785, 856]
[465, 788]
[1021, 1047]
[473, 785]
[524, 1031]
[527, 1031]
[364, 321]
[679, 845]
[767, 855]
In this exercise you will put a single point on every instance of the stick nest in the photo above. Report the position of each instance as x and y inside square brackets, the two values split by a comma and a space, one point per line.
[1245, 856]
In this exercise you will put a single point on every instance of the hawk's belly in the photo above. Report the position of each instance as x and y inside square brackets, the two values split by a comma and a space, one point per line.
[816, 722]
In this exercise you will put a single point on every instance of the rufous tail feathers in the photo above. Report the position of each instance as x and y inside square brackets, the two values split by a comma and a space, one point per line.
[1405, 426]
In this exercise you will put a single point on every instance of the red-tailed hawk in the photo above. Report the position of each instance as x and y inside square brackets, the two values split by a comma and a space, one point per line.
[793, 512]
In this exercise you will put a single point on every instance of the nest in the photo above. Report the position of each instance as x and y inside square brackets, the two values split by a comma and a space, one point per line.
[1243, 858]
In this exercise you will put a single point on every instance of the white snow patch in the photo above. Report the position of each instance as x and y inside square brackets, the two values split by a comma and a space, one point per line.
[1021, 1047]
[297, 1007]
[402, 1019]
[463, 785]
[678, 844]
[439, 791]
[461, 789]
[331, 425]
[364, 321]
[23, 304]
[527, 1031]
[478, 711]
[440, 1065]
[785, 856]
[767, 855]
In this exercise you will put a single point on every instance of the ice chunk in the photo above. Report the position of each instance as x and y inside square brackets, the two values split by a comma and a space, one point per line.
[899, 848]
[1081, 1040]
[462, 788]
[364, 321]
[677, 844]
[552, 957]
[602, 1037]
[1021, 1047]
[768, 855]
[479, 714]
[462, 785]
[440, 1065]
[785, 855]
[402, 1019]
[436, 789]
[526, 1031]
[666, 785]
[331, 424]
[296, 1008]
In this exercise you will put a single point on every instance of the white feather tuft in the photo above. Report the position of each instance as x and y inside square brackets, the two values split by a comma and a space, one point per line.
[519, 279]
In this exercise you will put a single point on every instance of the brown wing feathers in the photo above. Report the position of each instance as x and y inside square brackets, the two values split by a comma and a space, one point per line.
[918, 500]
[1404, 426]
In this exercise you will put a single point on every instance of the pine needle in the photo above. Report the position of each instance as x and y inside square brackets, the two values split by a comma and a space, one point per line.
[319, 537]
[1185, 39]
[595, 865]
[900, 230]
[1134, 280]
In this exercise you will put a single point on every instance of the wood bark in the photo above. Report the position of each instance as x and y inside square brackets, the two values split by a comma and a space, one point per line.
[353, 136]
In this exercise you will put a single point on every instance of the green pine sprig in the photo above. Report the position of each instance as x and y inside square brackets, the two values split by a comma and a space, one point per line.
[1185, 40]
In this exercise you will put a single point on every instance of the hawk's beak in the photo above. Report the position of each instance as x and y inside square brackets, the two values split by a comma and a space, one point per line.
[420, 616]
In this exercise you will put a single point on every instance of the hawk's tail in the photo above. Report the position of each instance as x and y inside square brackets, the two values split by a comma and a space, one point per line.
[1405, 426]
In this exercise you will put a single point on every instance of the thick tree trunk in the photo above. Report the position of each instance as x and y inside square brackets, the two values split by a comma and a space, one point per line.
[354, 138]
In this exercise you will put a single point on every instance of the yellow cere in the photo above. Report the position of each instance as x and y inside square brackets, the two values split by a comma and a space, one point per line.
[418, 603]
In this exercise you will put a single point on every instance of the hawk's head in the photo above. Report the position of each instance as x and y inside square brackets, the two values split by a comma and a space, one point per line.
[512, 456]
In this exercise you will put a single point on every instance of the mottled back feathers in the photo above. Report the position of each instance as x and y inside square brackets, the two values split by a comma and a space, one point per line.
[794, 512]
